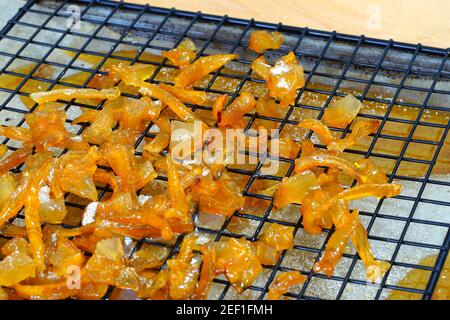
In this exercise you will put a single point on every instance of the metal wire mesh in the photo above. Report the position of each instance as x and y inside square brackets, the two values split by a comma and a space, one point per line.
[330, 58]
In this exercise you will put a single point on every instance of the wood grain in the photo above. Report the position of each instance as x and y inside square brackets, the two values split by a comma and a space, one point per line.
[418, 21]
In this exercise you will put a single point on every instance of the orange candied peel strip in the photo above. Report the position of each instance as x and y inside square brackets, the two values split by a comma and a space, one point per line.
[133, 175]
[158, 144]
[16, 133]
[73, 173]
[327, 160]
[342, 112]
[179, 202]
[201, 67]
[283, 79]
[283, 282]
[100, 131]
[285, 147]
[18, 197]
[262, 40]
[328, 205]
[319, 128]
[313, 219]
[218, 106]
[278, 236]
[137, 113]
[374, 268]
[186, 96]
[46, 129]
[211, 194]
[237, 259]
[336, 245]
[69, 93]
[361, 128]
[183, 272]
[126, 74]
[123, 213]
[294, 189]
[47, 126]
[8, 185]
[387, 190]
[173, 102]
[261, 67]
[32, 215]
[183, 54]
[14, 159]
[16, 267]
[36, 261]
[131, 74]
[179, 280]
[129, 113]
[235, 111]
[369, 172]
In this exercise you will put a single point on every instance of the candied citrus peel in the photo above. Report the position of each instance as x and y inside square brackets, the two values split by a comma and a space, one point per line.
[37, 259]
[327, 160]
[14, 159]
[133, 173]
[8, 185]
[183, 271]
[294, 189]
[374, 268]
[173, 102]
[16, 267]
[369, 172]
[201, 67]
[283, 282]
[179, 202]
[32, 216]
[262, 40]
[314, 220]
[64, 94]
[100, 131]
[235, 111]
[183, 54]
[285, 147]
[211, 194]
[278, 236]
[158, 144]
[186, 96]
[131, 74]
[342, 112]
[337, 243]
[130, 113]
[283, 79]
[319, 128]
[360, 129]
[18, 198]
[74, 171]
[237, 259]
[46, 129]
[261, 67]
[207, 272]
[16, 133]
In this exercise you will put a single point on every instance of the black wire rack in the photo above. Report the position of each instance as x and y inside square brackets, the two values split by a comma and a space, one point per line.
[353, 55]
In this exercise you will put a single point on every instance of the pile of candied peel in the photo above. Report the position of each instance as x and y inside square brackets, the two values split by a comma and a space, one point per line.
[40, 256]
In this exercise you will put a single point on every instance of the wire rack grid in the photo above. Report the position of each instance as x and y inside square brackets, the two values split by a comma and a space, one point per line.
[103, 14]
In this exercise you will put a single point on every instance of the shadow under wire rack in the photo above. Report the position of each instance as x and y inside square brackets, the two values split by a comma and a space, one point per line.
[397, 78]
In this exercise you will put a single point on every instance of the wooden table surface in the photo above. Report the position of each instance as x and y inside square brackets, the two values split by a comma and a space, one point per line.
[414, 21]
